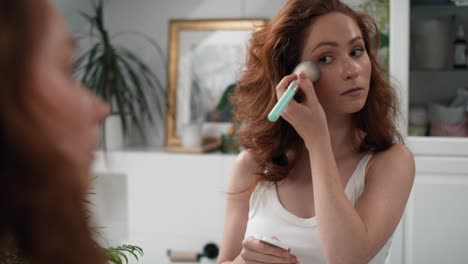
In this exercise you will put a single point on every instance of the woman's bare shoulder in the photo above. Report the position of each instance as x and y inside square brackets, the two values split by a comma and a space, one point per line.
[398, 159]
[244, 174]
[397, 152]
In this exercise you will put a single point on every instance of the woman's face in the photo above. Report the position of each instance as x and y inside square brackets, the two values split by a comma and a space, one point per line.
[334, 41]
[68, 112]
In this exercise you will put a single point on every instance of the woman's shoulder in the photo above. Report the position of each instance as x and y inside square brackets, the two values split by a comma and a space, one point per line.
[245, 172]
[246, 162]
[397, 158]
[395, 152]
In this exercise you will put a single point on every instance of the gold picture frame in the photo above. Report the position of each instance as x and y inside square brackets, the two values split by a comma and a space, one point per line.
[205, 38]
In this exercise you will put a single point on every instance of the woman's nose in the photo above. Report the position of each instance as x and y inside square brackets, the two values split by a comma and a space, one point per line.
[101, 109]
[350, 69]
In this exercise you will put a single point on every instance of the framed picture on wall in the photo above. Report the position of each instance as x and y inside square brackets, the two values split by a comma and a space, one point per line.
[206, 58]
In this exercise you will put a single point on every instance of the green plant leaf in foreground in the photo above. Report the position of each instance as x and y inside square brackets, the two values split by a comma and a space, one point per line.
[118, 254]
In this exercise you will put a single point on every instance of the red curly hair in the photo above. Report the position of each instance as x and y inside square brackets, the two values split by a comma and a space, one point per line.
[273, 53]
[43, 214]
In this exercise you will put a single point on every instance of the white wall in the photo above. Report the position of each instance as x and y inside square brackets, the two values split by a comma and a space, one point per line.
[70, 10]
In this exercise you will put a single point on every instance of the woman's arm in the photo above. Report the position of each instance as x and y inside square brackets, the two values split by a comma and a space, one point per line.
[234, 248]
[355, 235]
[349, 235]
[237, 208]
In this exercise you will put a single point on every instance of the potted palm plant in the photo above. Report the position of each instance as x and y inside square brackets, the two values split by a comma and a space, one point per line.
[118, 76]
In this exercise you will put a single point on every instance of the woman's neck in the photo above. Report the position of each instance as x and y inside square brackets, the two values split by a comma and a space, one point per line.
[343, 136]
[343, 139]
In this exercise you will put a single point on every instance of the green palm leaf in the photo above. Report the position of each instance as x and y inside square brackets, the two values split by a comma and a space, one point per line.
[118, 254]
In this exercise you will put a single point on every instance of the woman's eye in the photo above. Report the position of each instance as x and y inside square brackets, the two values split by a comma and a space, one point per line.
[325, 59]
[357, 52]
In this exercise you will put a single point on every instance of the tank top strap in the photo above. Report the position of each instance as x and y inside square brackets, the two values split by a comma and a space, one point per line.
[357, 181]
[257, 195]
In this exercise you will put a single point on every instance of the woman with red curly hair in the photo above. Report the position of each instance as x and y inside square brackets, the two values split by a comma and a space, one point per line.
[330, 179]
[48, 126]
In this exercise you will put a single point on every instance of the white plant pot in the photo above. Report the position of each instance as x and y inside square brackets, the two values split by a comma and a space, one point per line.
[114, 135]
[192, 135]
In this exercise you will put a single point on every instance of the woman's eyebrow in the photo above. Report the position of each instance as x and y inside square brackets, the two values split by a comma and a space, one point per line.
[335, 44]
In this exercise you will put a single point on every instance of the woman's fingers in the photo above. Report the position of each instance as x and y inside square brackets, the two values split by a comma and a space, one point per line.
[251, 256]
[307, 88]
[305, 85]
[252, 243]
[255, 250]
[308, 97]
[283, 84]
[280, 90]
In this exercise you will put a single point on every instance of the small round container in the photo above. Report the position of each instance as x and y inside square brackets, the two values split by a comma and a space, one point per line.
[446, 115]
[447, 121]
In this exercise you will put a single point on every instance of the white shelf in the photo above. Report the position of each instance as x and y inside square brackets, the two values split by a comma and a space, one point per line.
[438, 146]
[440, 71]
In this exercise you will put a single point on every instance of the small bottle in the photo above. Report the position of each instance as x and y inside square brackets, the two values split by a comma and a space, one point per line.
[459, 49]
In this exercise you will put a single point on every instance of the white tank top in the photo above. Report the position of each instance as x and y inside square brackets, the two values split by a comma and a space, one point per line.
[268, 217]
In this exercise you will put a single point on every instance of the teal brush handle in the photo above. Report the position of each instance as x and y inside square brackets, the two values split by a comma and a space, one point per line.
[283, 102]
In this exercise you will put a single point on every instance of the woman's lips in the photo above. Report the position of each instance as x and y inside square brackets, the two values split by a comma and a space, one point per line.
[354, 91]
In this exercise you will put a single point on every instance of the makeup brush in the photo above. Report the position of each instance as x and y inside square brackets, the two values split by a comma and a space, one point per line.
[312, 72]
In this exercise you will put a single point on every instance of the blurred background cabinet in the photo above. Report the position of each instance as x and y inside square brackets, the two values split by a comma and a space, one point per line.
[438, 79]
[421, 59]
